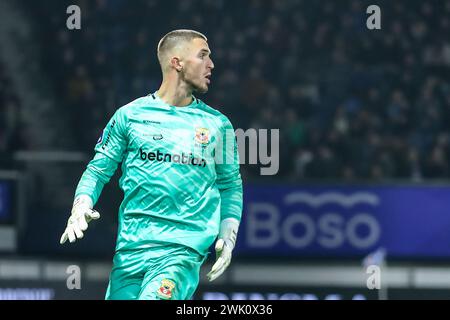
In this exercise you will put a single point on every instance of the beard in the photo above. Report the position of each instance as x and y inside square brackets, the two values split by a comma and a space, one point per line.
[201, 90]
[199, 86]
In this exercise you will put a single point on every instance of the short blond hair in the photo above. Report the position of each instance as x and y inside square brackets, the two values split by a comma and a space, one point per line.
[174, 38]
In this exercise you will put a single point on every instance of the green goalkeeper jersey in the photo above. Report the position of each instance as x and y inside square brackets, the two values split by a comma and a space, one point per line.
[180, 173]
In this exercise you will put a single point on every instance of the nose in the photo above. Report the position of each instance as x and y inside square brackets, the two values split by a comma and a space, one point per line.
[211, 64]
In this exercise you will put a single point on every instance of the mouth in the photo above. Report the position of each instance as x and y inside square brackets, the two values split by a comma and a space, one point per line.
[208, 78]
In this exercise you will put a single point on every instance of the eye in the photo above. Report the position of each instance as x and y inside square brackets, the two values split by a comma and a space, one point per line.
[203, 54]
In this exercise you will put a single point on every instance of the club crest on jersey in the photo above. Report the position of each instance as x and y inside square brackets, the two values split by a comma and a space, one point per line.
[202, 135]
[166, 289]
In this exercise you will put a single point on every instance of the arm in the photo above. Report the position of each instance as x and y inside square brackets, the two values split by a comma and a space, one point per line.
[109, 153]
[229, 183]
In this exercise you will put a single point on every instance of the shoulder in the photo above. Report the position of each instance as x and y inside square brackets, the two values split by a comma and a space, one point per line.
[134, 105]
[219, 116]
[125, 113]
[132, 108]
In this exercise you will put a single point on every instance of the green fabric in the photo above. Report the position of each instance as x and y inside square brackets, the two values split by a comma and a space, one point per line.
[142, 274]
[175, 190]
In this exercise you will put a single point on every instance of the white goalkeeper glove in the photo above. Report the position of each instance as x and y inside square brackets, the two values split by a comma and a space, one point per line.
[82, 214]
[224, 247]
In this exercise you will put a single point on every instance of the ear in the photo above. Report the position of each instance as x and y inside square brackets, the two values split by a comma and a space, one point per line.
[176, 63]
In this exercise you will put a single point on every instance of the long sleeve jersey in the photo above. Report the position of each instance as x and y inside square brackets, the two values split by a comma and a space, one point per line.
[180, 173]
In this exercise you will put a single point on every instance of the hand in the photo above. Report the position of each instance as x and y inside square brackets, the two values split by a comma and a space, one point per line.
[82, 214]
[223, 259]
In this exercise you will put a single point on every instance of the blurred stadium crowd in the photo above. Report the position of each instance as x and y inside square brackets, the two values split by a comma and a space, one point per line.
[11, 138]
[351, 103]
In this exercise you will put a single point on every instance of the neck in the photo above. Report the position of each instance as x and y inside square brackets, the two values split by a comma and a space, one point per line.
[175, 92]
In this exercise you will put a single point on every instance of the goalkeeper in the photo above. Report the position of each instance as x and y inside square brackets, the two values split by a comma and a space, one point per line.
[180, 178]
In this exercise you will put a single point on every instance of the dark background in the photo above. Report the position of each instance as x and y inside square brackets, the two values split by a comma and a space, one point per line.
[354, 106]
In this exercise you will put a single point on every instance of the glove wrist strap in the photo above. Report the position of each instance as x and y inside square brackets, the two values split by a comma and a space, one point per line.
[83, 201]
[228, 231]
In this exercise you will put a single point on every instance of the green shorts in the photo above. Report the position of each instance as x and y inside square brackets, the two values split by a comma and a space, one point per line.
[162, 272]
